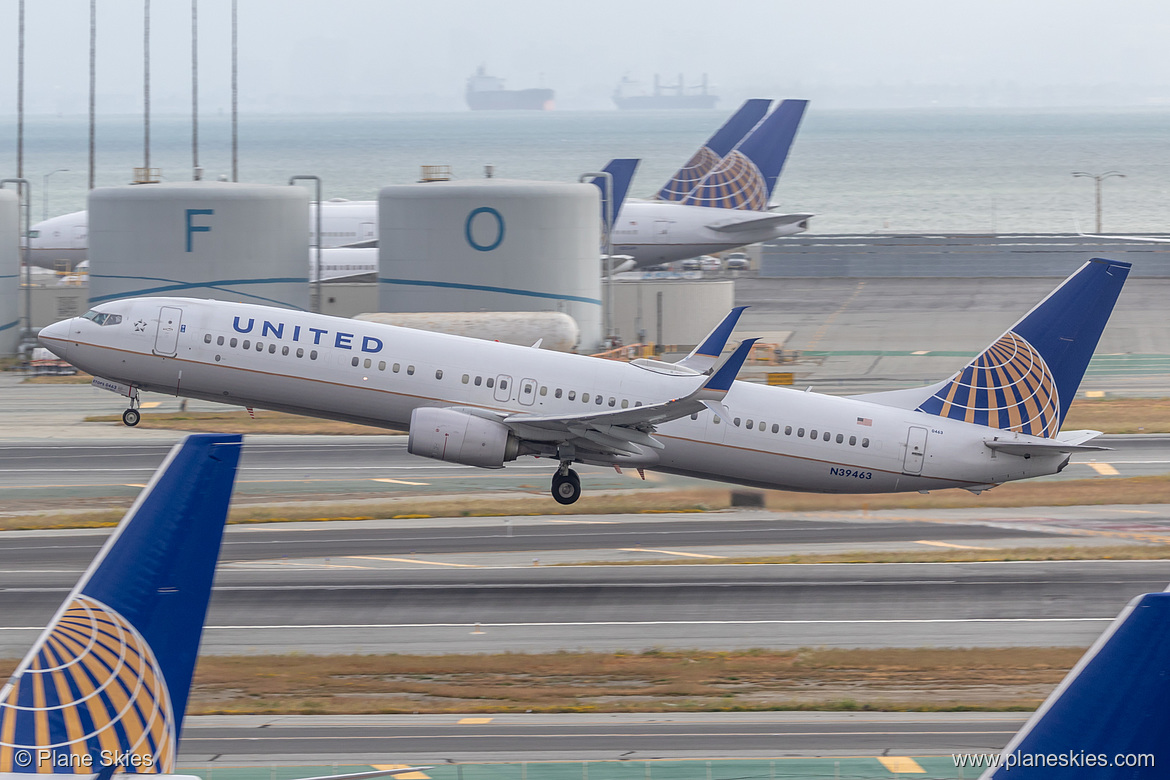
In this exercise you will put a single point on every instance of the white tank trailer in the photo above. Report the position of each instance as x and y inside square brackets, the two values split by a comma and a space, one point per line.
[553, 329]
[492, 245]
[203, 239]
[9, 272]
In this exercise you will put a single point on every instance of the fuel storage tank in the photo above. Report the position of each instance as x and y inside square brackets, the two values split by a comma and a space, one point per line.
[492, 245]
[203, 239]
[9, 272]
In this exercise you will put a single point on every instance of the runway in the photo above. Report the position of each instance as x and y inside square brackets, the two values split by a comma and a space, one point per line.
[431, 739]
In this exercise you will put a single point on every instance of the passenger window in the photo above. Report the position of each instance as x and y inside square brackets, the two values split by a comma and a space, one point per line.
[300, 352]
[813, 433]
[491, 382]
[410, 370]
[466, 378]
[367, 363]
[543, 390]
[775, 428]
[827, 436]
[625, 403]
[557, 394]
[397, 366]
[503, 384]
[439, 374]
[736, 421]
[800, 433]
[865, 442]
[219, 341]
[381, 365]
[313, 354]
[271, 349]
[284, 351]
[572, 395]
[787, 430]
[597, 399]
[354, 362]
[749, 425]
[637, 403]
[716, 419]
[584, 398]
[695, 416]
[207, 338]
[478, 380]
[852, 441]
[612, 401]
[840, 438]
[233, 342]
[259, 346]
[246, 345]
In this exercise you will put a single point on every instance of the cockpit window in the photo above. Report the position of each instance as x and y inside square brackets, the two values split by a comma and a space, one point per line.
[102, 318]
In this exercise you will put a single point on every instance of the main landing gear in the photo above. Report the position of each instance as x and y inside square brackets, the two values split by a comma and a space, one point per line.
[566, 485]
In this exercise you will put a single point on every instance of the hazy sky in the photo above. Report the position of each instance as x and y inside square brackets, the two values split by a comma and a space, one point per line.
[386, 55]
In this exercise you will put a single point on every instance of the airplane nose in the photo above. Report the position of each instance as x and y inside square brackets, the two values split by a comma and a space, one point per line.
[55, 337]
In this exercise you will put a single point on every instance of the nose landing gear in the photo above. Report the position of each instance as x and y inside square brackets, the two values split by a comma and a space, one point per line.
[566, 485]
[131, 416]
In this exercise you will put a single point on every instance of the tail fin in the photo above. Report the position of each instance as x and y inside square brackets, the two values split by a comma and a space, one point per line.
[744, 179]
[1027, 379]
[622, 170]
[1109, 710]
[110, 676]
[716, 148]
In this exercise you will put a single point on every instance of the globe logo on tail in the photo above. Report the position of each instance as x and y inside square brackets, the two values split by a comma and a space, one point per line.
[1009, 387]
[689, 175]
[93, 688]
[736, 183]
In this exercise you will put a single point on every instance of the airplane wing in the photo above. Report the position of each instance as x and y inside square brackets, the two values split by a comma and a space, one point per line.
[621, 431]
[764, 221]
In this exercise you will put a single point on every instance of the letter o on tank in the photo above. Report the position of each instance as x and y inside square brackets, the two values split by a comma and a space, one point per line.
[499, 228]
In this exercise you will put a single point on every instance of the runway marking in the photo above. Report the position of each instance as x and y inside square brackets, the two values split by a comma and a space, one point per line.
[585, 522]
[1104, 469]
[474, 721]
[400, 482]
[258, 564]
[150, 405]
[1136, 512]
[901, 764]
[130, 485]
[404, 775]
[670, 552]
[864, 621]
[956, 546]
[920, 352]
[410, 560]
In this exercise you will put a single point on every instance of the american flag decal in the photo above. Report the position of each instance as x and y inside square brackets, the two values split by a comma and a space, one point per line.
[865, 421]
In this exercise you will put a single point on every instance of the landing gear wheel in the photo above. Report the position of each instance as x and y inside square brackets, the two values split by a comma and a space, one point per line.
[566, 489]
[131, 417]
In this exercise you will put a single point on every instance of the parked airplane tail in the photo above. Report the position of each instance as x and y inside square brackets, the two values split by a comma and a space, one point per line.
[1106, 720]
[622, 170]
[107, 682]
[1027, 379]
[744, 179]
[716, 148]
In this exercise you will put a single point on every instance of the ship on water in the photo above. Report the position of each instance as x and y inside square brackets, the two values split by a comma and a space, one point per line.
[487, 93]
[665, 95]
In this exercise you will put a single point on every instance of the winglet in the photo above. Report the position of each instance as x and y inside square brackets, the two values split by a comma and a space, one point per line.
[114, 665]
[720, 381]
[1106, 714]
[703, 357]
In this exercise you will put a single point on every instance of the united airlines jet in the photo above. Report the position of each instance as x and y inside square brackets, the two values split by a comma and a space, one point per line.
[485, 404]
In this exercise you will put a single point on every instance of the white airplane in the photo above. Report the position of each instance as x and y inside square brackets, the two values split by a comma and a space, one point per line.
[104, 688]
[726, 209]
[483, 404]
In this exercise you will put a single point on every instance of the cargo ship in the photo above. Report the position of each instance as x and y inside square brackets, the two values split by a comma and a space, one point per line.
[664, 96]
[487, 93]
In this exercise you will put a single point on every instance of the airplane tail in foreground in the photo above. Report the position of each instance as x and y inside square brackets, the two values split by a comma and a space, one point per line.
[745, 178]
[1107, 719]
[1027, 379]
[107, 682]
[622, 170]
[716, 148]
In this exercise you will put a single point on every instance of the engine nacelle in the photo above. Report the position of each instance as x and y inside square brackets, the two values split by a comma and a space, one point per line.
[445, 434]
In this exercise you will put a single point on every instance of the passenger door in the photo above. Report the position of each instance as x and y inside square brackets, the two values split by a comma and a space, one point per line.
[915, 450]
[166, 338]
[527, 391]
[503, 392]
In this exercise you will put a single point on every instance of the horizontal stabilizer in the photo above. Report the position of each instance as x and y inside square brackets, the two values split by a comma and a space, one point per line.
[1032, 448]
[759, 223]
[1106, 720]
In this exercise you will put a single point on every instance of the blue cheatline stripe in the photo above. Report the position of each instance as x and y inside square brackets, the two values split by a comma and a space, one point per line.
[9, 276]
[485, 288]
[12, 324]
[219, 284]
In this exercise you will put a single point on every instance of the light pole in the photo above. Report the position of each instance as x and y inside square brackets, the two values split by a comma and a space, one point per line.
[1098, 178]
[45, 192]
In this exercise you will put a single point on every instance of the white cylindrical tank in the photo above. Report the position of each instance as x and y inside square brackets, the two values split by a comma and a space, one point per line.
[555, 330]
[9, 272]
[686, 308]
[202, 239]
[492, 245]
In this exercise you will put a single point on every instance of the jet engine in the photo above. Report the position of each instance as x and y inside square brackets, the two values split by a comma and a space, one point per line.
[445, 434]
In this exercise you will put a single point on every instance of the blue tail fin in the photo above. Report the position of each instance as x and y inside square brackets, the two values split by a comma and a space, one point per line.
[110, 675]
[1027, 379]
[622, 170]
[1110, 709]
[744, 179]
[716, 148]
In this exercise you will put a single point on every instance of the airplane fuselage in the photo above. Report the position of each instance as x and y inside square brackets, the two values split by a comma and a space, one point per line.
[375, 374]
